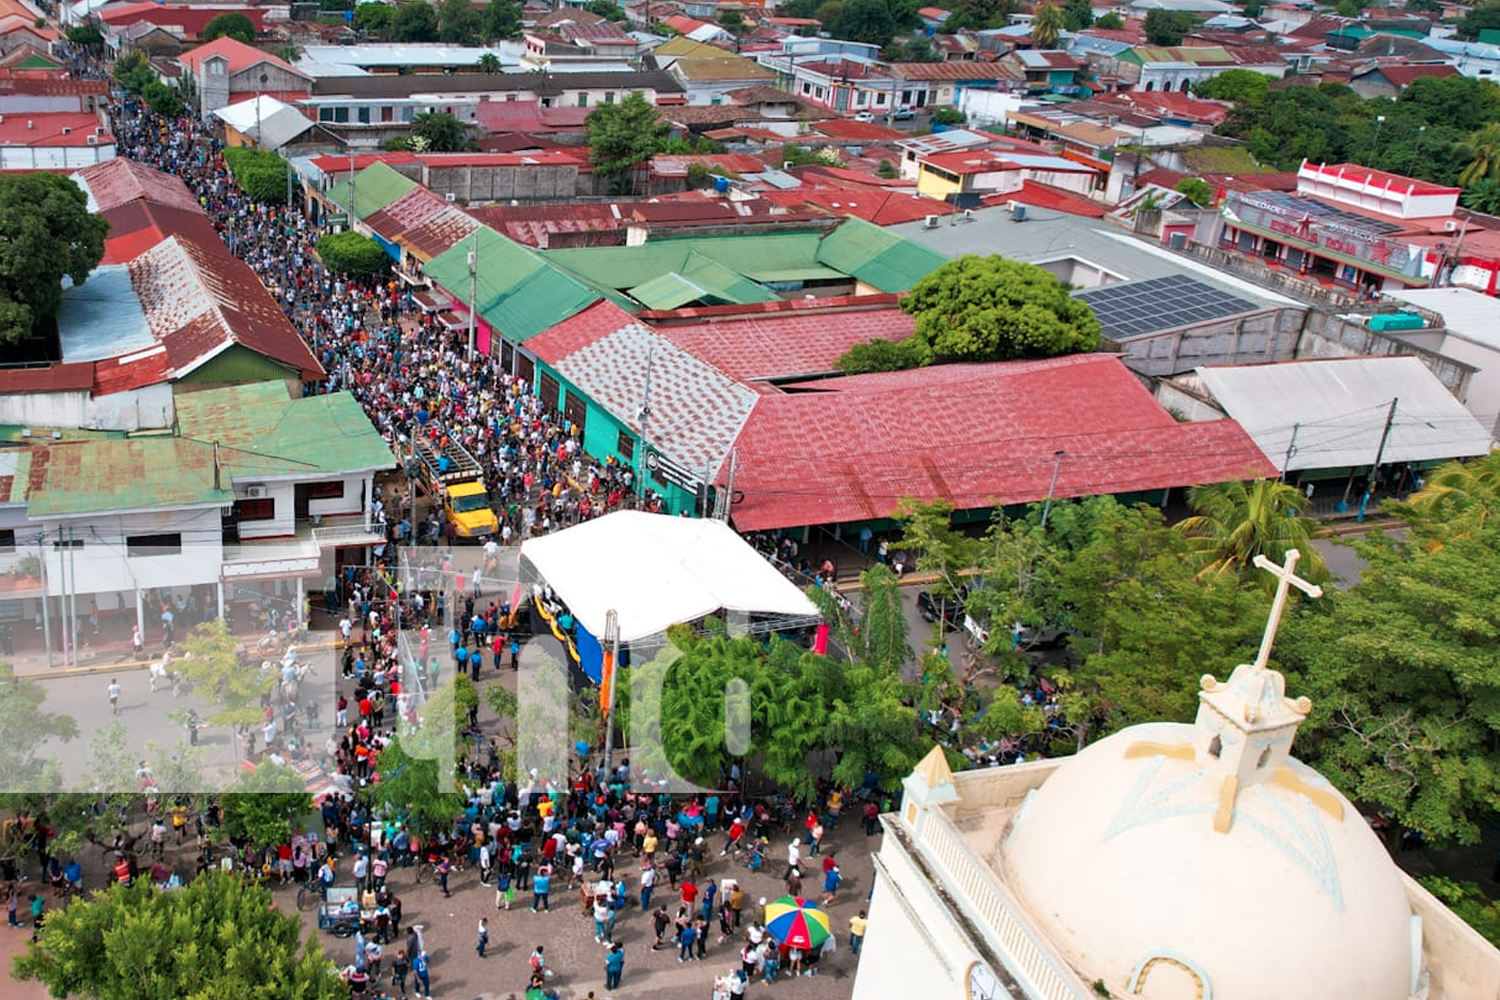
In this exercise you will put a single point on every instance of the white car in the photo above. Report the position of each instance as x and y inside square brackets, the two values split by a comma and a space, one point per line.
[864, 116]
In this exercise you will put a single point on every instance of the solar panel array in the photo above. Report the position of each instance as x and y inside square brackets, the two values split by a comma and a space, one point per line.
[1137, 308]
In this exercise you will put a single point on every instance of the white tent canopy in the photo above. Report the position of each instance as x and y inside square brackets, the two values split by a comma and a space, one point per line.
[654, 571]
[271, 123]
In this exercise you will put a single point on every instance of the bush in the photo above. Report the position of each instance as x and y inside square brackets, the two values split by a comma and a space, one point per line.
[947, 116]
[352, 253]
[259, 173]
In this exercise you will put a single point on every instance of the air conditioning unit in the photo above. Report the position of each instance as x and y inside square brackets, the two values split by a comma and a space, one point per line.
[93, 140]
[786, 164]
[969, 215]
[450, 197]
[1450, 225]
[255, 492]
[930, 222]
[67, 131]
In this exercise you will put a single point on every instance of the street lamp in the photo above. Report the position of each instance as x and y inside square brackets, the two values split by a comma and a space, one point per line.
[1375, 145]
[1052, 487]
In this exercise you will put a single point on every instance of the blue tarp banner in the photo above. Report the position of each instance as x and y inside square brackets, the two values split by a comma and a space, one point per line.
[590, 654]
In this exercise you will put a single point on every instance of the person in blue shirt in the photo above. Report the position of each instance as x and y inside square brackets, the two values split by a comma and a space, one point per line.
[541, 889]
[614, 965]
[687, 939]
[420, 970]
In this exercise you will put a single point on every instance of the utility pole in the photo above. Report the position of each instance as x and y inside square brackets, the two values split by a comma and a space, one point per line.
[726, 499]
[473, 289]
[73, 595]
[611, 653]
[1385, 436]
[62, 596]
[1052, 487]
[645, 419]
[41, 551]
[1291, 449]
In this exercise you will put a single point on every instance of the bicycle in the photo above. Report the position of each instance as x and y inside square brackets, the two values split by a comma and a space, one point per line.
[308, 895]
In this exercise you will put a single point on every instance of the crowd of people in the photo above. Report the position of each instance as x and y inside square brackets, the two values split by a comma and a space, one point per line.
[415, 377]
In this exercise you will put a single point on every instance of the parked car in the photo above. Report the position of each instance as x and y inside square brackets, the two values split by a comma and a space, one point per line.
[903, 114]
[864, 116]
[948, 610]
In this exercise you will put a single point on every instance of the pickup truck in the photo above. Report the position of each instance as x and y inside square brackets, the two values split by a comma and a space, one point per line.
[453, 479]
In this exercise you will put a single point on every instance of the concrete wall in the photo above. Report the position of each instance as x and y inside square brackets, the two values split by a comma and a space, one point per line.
[1483, 396]
[524, 183]
[102, 562]
[1329, 336]
[1272, 335]
[150, 408]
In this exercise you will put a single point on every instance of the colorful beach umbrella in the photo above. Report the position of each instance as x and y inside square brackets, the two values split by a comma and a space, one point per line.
[798, 922]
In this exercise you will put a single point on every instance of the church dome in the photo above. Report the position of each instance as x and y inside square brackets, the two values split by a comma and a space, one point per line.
[1180, 861]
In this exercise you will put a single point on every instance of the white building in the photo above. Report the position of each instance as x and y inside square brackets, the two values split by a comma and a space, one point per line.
[1168, 861]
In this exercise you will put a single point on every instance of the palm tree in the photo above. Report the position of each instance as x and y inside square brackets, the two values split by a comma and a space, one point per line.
[488, 63]
[1482, 196]
[1483, 148]
[1235, 522]
[1047, 25]
[1460, 496]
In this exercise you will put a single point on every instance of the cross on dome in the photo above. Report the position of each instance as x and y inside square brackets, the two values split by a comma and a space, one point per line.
[1286, 578]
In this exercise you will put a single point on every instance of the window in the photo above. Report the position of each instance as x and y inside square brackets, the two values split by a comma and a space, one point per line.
[548, 392]
[153, 545]
[625, 446]
[609, 97]
[7, 540]
[364, 115]
[583, 100]
[341, 115]
[263, 509]
[326, 491]
[72, 542]
[325, 114]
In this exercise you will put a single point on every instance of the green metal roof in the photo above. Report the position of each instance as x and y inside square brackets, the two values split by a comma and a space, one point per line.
[727, 283]
[669, 291]
[373, 188]
[627, 267]
[816, 272]
[89, 476]
[519, 292]
[260, 429]
[877, 256]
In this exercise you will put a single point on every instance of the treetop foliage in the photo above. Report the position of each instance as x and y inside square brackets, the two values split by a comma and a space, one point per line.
[46, 233]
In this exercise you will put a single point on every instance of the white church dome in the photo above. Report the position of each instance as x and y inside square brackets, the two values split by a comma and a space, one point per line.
[1182, 861]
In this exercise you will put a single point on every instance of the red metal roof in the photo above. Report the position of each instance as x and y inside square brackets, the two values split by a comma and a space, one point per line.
[423, 222]
[978, 435]
[239, 55]
[54, 129]
[340, 163]
[1403, 75]
[192, 19]
[1056, 199]
[792, 342]
[849, 130]
[13, 82]
[49, 378]
[117, 181]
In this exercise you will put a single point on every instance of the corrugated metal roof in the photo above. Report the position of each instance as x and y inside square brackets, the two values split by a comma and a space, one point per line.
[845, 452]
[15, 471]
[696, 410]
[115, 182]
[520, 292]
[877, 256]
[1337, 409]
[422, 222]
[372, 189]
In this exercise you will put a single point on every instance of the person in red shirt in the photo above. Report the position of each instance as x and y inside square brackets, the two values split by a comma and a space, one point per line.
[689, 893]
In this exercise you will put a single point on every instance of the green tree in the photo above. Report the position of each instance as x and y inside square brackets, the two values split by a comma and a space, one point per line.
[877, 355]
[288, 53]
[1197, 190]
[1079, 15]
[502, 19]
[1466, 899]
[25, 732]
[1404, 677]
[229, 25]
[992, 309]
[259, 173]
[264, 803]
[1485, 17]
[607, 9]
[732, 20]
[1483, 196]
[413, 787]
[1232, 523]
[621, 136]
[374, 16]
[46, 233]
[459, 23]
[216, 937]
[439, 132]
[867, 21]
[1484, 156]
[977, 15]
[947, 116]
[1047, 25]
[86, 36]
[1457, 498]
[1167, 27]
[1234, 85]
[414, 22]
[162, 99]
[352, 253]
[133, 72]
[1110, 22]
[489, 63]
[211, 662]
